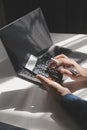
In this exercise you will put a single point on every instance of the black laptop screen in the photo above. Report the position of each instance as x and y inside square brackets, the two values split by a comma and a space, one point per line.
[27, 35]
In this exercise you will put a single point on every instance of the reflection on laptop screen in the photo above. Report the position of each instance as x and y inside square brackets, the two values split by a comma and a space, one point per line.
[25, 36]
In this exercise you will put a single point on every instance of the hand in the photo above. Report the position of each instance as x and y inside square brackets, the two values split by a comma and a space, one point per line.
[52, 84]
[66, 62]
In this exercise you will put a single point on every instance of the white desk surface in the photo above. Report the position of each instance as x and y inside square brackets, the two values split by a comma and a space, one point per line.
[25, 104]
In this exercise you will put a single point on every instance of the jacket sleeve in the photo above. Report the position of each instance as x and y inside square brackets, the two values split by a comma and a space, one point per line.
[77, 108]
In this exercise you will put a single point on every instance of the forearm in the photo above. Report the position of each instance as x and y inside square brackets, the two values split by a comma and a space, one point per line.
[76, 107]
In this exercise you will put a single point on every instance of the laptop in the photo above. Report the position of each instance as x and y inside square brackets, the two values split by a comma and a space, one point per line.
[29, 46]
[26, 41]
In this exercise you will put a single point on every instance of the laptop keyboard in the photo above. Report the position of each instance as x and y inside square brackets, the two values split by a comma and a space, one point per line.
[43, 69]
[23, 72]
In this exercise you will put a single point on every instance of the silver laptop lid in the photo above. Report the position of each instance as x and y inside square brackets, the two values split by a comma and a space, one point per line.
[27, 35]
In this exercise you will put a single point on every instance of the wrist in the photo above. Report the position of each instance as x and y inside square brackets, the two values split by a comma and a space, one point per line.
[64, 91]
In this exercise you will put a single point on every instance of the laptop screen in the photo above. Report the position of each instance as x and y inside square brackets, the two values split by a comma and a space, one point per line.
[27, 35]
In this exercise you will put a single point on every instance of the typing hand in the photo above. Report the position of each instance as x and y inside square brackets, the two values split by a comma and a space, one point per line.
[52, 84]
[69, 67]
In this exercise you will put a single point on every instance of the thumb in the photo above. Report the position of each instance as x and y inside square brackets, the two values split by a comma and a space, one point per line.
[42, 78]
[48, 82]
[45, 81]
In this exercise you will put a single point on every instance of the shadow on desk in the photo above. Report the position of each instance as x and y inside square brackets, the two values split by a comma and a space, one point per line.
[6, 70]
[79, 57]
[35, 100]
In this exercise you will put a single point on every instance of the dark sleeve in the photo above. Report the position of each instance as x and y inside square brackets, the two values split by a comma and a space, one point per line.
[77, 108]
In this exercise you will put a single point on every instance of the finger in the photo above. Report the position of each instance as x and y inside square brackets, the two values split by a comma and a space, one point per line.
[52, 64]
[56, 61]
[41, 78]
[61, 62]
[47, 82]
[60, 56]
[44, 80]
[66, 72]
